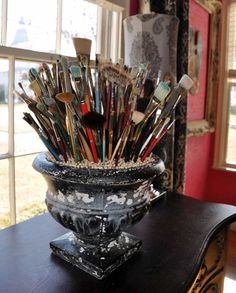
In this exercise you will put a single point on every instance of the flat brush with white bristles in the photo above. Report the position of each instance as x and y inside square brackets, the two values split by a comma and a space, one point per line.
[160, 93]
[182, 87]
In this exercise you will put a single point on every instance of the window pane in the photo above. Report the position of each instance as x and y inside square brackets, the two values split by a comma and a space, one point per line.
[231, 149]
[79, 19]
[4, 67]
[24, 134]
[30, 189]
[4, 194]
[232, 36]
[31, 24]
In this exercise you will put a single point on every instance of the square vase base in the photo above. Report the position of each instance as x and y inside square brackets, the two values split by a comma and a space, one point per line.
[99, 260]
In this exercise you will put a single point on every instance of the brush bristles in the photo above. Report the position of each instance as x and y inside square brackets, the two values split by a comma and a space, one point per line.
[93, 120]
[75, 71]
[162, 91]
[186, 82]
[115, 74]
[99, 120]
[82, 45]
[137, 117]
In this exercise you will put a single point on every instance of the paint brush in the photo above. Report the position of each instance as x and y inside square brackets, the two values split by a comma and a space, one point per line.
[24, 97]
[93, 120]
[104, 143]
[76, 78]
[96, 122]
[61, 145]
[182, 87]
[130, 108]
[67, 98]
[129, 142]
[84, 144]
[156, 137]
[120, 116]
[85, 90]
[123, 143]
[22, 88]
[65, 70]
[29, 119]
[46, 98]
[34, 86]
[97, 91]
[160, 94]
[111, 124]
[139, 133]
[89, 132]
[44, 121]
[50, 79]
[82, 48]
[120, 142]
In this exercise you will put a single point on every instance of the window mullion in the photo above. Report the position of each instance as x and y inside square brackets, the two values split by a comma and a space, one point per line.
[108, 35]
[109, 5]
[4, 22]
[114, 37]
[12, 193]
[99, 30]
[232, 73]
[59, 26]
[104, 35]
[120, 42]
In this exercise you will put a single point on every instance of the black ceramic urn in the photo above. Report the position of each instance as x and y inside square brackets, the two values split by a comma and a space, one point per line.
[97, 205]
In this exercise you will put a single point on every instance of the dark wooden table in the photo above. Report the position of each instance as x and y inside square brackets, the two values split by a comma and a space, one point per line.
[175, 233]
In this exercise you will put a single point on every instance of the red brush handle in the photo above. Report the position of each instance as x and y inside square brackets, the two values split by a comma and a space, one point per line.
[92, 143]
[150, 147]
[152, 144]
[126, 117]
[89, 132]
[84, 108]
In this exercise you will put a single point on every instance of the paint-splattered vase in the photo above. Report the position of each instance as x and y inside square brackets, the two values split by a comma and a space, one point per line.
[97, 205]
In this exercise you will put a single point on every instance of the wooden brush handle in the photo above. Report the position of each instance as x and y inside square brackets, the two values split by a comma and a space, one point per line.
[86, 147]
[89, 132]
[150, 147]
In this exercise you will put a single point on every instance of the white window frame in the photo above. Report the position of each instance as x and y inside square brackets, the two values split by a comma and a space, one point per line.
[222, 122]
[13, 54]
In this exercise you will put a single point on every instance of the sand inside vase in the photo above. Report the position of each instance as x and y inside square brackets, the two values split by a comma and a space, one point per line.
[103, 165]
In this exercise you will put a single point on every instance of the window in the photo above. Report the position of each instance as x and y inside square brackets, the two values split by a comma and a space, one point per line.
[26, 26]
[29, 37]
[226, 128]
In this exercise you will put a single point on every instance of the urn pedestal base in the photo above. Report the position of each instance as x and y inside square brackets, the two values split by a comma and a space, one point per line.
[97, 260]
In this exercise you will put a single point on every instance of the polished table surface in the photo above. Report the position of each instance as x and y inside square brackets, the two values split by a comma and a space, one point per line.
[175, 235]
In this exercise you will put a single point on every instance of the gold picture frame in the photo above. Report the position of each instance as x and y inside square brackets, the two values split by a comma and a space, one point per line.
[200, 127]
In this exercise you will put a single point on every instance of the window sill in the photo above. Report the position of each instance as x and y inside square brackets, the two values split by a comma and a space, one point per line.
[226, 168]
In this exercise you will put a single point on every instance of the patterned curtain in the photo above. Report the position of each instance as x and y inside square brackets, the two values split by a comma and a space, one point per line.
[177, 143]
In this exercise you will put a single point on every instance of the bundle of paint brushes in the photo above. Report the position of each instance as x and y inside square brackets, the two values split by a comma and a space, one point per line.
[83, 113]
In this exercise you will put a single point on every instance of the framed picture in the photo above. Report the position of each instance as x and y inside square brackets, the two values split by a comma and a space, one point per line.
[203, 65]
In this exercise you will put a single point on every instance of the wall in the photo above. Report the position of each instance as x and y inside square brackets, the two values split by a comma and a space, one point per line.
[198, 148]
[202, 181]
[197, 165]
[221, 185]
